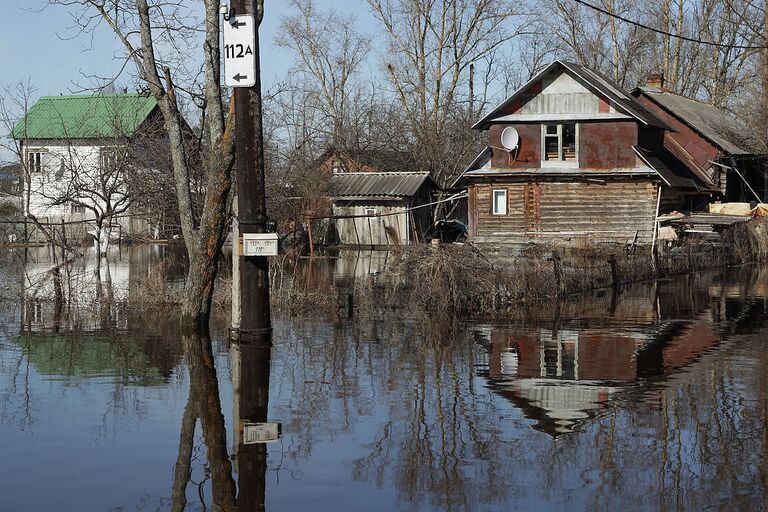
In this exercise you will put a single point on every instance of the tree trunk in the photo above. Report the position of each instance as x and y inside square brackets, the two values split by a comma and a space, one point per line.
[204, 262]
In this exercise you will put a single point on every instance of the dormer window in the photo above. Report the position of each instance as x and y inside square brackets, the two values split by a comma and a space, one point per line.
[559, 142]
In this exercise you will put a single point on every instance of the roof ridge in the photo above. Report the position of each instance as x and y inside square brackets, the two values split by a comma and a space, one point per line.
[89, 96]
[653, 90]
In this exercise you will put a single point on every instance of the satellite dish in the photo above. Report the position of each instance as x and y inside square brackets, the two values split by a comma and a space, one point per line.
[510, 138]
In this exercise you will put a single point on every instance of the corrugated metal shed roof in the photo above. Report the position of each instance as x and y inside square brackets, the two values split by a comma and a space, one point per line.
[598, 82]
[84, 117]
[376, 184]
[729, 133]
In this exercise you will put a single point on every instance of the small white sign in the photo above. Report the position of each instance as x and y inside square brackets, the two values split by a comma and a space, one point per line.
[240, 51]
[259, 244]
[254, 433]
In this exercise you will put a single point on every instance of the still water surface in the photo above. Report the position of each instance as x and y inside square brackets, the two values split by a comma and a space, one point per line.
[655, 398]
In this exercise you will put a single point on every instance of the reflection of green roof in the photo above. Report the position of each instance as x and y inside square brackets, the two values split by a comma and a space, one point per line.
[84, 117]
[89, 356]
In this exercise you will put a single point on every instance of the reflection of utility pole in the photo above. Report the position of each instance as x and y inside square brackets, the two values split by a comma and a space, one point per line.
[250, 383]
[251, 273]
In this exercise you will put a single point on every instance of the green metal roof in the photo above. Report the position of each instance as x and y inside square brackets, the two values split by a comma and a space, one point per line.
[90, 355]
[84, 117]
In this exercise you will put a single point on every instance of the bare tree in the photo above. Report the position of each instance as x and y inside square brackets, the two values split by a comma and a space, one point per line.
[157, 37]
[329, 53]
[431, 47]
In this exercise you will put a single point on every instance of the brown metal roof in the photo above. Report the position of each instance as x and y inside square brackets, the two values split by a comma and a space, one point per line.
[729, 133]
[673, 171]
[376, 185]
[593, 80]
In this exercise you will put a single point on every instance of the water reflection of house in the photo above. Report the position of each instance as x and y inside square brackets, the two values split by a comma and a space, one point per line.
[135, 356]
[562, 378]
[119, 269]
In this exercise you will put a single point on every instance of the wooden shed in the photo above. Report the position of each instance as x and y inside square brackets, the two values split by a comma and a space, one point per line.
[381, 208]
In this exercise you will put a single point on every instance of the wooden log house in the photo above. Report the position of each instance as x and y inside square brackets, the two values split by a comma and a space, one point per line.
[571, 155]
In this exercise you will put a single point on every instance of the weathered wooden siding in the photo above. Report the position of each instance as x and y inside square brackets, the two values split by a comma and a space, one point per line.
[619, 211]
[559, 93]
[371, 230]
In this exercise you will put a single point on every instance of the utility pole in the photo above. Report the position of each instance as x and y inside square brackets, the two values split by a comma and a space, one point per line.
[251, 314]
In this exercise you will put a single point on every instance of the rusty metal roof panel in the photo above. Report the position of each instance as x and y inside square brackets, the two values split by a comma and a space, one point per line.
[376, 184]
[729, 133]
[673, 171]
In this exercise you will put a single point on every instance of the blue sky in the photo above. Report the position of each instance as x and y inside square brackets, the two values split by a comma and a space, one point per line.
[30, 47]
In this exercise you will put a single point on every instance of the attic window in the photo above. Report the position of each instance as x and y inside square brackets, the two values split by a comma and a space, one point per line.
[337, 166]
[559, 142]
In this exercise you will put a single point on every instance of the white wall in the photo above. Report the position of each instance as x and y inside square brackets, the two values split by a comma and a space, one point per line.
[61, 159]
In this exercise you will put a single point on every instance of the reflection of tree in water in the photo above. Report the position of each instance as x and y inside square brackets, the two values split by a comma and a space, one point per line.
[686, 439]
[204, 404]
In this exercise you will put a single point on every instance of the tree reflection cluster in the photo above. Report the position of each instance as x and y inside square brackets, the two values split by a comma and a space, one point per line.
[657, 396]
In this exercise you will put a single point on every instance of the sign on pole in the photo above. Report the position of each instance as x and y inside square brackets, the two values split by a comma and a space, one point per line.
[255, 433]
[259, 244]
[240, 51]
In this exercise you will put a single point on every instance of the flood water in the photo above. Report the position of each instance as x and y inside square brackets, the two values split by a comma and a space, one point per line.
[651, 398]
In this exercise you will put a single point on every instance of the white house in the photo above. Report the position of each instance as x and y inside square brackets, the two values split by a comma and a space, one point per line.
[80, 165]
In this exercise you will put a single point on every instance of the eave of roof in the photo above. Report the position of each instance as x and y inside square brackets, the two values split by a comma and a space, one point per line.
[673, 172]
[563, 172]
[594, 80]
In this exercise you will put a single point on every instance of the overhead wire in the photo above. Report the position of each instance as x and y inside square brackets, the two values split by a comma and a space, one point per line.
[666, 33]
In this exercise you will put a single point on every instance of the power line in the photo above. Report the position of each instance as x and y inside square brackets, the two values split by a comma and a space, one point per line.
[664, 32]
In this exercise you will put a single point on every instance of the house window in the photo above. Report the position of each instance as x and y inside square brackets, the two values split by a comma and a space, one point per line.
[370, 212]
[108, 159]
[35, 162]
[559, 142]
[78, 208]
[500, 202]
[337, 166]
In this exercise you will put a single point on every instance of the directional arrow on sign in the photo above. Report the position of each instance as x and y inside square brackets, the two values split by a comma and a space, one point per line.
[239, 58]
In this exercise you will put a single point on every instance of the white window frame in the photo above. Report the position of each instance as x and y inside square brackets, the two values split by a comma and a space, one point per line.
[558, 162]
[503, 192]
[107, 158]
[371, 212]
[35, 167]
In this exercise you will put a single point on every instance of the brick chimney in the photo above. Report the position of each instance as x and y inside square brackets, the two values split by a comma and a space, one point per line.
[655, 81]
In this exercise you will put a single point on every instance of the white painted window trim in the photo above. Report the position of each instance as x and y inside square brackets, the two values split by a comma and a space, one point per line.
[558, 162]
[503, 192]
[30, 166]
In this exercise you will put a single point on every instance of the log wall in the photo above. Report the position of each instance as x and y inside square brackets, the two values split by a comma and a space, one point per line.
[617, 211]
